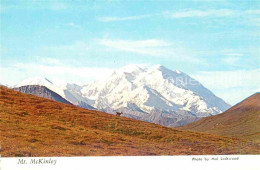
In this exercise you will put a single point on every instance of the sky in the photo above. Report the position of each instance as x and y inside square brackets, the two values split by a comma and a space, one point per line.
[215, 42]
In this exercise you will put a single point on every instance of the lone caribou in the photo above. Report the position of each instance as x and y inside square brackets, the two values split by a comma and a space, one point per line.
[119, 113]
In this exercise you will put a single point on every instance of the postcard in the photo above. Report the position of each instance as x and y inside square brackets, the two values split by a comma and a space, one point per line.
[117, 84]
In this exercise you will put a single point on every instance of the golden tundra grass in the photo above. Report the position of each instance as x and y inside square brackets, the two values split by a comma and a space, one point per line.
[241, 121]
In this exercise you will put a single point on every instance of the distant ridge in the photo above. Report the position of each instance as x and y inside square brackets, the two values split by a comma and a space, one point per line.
[241, 120]
[41, 91]
[69, 92]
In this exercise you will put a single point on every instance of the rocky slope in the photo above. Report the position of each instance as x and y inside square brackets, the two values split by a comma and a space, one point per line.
[41, 91]
[70, 92]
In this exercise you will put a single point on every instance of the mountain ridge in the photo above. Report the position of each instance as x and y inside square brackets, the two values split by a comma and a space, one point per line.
[151, 90]
[41, 91]
[69, 92]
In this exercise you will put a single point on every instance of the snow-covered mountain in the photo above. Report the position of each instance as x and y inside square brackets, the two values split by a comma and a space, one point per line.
[150, 93]
[70, 92]
[155, 94]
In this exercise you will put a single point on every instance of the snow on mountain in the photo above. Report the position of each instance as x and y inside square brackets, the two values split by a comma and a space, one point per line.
[70, 92]
[42, 82]
[73, 94]
[41, 91]
[150, 93]
[142, 92]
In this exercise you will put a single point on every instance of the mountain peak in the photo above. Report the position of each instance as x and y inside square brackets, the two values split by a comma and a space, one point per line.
[159, 66]
[41, 81]
[132, 67]
[166, 70]
[154, 89]
[177, 71]
[137, 68]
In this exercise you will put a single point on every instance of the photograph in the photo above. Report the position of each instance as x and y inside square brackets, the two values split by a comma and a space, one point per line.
[129, 84]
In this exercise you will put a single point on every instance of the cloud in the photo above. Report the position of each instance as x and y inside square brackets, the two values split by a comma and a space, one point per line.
[48, 61]
[240, 58]
[234, 54]
[217, 13]
[137, 43]
[254, 22]
[151, 47]
[252, 12]
[231, 60]
[233, 86]
[56, 72]
[73, 25]
[3, 50]
[113, 19]
[200, 13]
[56, 5]
[179, 14]
[229, 79]
[8, 6]
[79, 48]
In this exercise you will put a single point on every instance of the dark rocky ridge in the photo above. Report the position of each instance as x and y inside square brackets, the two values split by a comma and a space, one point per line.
[41, 91]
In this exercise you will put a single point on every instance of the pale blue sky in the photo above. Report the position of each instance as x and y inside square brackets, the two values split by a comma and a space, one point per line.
[76, 41]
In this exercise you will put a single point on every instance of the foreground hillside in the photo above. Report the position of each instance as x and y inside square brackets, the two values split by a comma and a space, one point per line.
[241, 121]
[34, 126]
